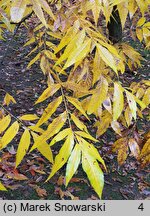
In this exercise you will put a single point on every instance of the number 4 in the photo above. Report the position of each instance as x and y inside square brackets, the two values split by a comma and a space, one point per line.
[141, 207]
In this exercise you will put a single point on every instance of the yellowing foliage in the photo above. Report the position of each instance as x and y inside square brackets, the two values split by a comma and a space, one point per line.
[83, 71]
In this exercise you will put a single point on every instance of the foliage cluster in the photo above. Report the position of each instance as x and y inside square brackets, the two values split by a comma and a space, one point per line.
[83, 69]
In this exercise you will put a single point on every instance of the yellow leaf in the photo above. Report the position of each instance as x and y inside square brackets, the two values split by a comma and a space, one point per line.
[132, 103]
[48, 92]
[54, 34]
[78, 54]
[51, 108]
[36, 58]
[147, 24]
[140, 92]
[96, 6]
[107, 105]
[118, 101]
[78, 123]
[61, 135]
[94, 172]
[104, 123]
[2, 188]
[97, 67]
[122, 154]
[123, 12]
[17, 10]
[38, 11]
[50, 55]
[139, 34]
[86, 135]
[52, 129]
[143, 6]
[107, 57]
[119, 143]
[29, 117]
[36, 129]
[23, 146]
[139, 113]
[128, 116]
[90, 149]
[134, 147]
[9, 134]
[44, 65]
[46, 151]
[47, 8]
[116, 127]
[77, 88]
[141, 103]
[146, 98]
[146, 82]
[132, 6]
[4, 123]
[32, 40]
[8, 99]
[141, 21]
[73, 44]
[71, 32]
[146, 160]
[146, 149]
[131, 53]
[73, 163]
[77, 104]
[63, 155]
[98, 98]
[44, 148]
